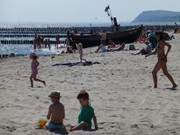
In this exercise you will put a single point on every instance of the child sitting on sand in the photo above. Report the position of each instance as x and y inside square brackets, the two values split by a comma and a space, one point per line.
[56, 114]
[34, 69]
[86, 114]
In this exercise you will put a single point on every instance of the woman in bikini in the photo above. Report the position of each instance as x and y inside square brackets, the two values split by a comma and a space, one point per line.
[162, 60]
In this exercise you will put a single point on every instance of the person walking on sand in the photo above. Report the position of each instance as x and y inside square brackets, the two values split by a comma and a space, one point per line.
[162, 59]
[34, 69]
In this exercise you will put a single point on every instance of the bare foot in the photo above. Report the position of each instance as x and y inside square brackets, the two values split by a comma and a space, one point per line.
[155, 87]
[174, 86]
[44, 83]
[71, 129]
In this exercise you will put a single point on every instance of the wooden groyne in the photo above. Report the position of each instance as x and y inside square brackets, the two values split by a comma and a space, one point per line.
[20, 42]
[31, 35]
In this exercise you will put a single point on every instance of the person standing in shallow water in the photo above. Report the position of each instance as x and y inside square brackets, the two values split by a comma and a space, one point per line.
[162, 60]
[57, 42]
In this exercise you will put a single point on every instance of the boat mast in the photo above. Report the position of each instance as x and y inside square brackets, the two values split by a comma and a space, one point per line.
[114, 22]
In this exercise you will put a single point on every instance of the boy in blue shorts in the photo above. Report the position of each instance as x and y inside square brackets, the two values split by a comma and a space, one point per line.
[56, 114]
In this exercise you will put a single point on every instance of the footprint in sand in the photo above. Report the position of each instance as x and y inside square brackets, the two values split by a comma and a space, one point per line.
[2, 107]
[134, 126]
[46, 102]
[7, 128]
[36, 97]
[2, 88]
[39, 87]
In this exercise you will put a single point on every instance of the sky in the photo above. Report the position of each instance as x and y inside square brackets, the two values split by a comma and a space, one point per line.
[76, 11]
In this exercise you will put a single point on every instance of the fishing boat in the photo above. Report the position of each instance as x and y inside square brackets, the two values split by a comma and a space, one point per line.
[88, 40]
[117, 35]
[126, 36]
[177, 31]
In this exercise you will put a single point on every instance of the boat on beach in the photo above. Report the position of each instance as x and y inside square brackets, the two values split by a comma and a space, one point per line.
[117, 35]
[177, 31]
[125, 36]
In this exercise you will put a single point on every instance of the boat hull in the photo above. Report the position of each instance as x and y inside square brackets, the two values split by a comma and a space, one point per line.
[127, 36]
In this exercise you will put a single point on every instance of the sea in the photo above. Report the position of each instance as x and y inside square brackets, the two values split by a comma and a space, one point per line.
[22, 49]
[25, 50]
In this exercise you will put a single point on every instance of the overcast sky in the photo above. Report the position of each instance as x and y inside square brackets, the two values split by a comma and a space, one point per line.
[59, 11]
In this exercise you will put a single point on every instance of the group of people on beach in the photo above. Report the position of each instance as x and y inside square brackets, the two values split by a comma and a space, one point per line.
[110, 46]
[56, 113]
[41, 42]
[151, 42]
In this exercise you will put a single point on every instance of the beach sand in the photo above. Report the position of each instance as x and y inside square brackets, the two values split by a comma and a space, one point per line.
[120, 90]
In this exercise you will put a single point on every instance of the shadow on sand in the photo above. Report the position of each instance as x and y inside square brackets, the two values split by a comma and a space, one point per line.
[87, 63]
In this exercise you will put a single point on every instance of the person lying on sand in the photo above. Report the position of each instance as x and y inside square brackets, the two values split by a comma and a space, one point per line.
[146, 50]
[111, 44]
[34, 69]
[80, 50]
[101, 48]
[162, 60]
[112, 47]
[86, 114]
[56, 114]
[151, 44]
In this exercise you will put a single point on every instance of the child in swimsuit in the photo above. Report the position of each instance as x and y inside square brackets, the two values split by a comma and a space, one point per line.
[80, 49]
[86, 114]
[34, 69]
[56, 114]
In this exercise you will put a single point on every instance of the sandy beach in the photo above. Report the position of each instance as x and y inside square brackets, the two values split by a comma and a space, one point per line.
[120, 90]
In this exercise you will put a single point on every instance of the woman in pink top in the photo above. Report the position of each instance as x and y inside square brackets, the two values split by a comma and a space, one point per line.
[34, 69]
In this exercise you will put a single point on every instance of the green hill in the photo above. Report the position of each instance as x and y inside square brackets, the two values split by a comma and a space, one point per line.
[157, 16]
